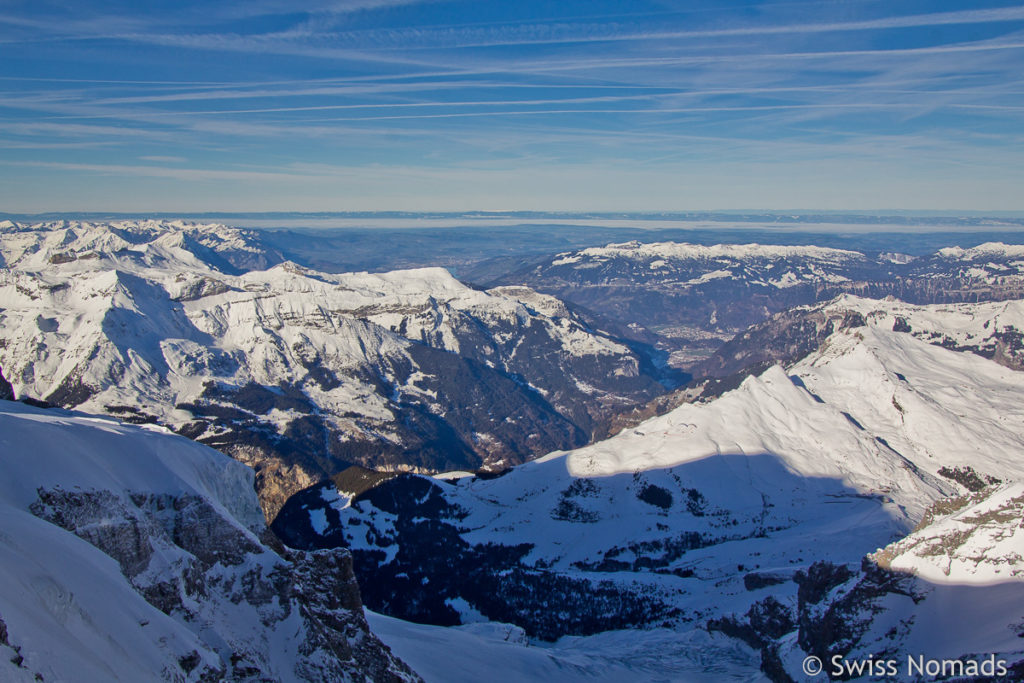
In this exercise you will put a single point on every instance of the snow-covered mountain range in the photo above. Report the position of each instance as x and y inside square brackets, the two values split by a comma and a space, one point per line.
[722, 508]
[841, 476]
[696, 297]
[132, 554]
[297, 372]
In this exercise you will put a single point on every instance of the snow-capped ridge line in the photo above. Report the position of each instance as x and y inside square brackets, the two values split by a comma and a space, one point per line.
[686, 251]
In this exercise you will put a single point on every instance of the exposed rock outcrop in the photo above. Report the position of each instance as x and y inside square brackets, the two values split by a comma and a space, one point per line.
[6, 390]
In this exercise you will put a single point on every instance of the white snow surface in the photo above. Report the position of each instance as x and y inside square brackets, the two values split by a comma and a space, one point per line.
[66, 604]
[498, 653]
[986, 250]
[57, 448]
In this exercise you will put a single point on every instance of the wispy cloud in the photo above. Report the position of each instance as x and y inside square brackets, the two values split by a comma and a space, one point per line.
[50, 129]
[186, 174]
[317, 39]
[265, 91]
[163, 159]
[262, 8]
[540, 34]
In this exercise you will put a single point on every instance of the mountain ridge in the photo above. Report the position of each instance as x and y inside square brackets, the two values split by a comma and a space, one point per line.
[297, 372]
[696, 297]
[700, 513]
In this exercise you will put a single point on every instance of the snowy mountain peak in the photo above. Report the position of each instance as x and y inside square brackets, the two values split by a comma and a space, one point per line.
[983, 251]
[542, 303]
[149, 242]
[411, 282]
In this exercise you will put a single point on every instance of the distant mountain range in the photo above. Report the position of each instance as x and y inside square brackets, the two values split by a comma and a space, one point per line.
[695, 297]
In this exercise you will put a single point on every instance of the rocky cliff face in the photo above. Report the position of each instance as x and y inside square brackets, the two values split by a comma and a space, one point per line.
[130, 554]
[213, 574]
[6, 390]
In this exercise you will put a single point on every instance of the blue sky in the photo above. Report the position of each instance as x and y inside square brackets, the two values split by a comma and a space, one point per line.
[559, 105]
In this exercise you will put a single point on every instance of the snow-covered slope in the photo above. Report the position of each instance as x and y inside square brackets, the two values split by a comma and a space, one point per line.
[694, 519]
[974, 539]
[890, 371]
[128, 553]
[296, 371]
[501, 653]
